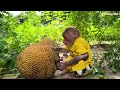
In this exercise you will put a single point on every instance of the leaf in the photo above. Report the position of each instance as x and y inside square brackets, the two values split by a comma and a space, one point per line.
[119, 64]
[110, 65]
[5, 50]
[0, 50]
[2, 62]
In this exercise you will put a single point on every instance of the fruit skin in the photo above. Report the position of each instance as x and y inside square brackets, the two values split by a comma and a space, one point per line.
[102, 72]
[101, 76]
[114, 71]
[36, 62]
[50, 42]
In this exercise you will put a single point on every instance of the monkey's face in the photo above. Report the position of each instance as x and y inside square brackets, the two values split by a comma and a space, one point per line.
[69, 38]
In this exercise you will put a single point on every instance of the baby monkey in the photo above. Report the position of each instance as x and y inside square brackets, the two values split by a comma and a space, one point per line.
[79, 62]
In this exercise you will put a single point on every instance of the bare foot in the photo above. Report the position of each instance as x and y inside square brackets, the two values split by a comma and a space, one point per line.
[59, 73]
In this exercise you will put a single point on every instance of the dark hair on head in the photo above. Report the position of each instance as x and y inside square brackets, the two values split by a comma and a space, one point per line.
[71, 29]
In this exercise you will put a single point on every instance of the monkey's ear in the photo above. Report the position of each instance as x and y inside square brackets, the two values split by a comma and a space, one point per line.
[75, 34]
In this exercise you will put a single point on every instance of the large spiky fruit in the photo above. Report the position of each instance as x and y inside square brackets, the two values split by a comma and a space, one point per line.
[36, 62]
[48, 41]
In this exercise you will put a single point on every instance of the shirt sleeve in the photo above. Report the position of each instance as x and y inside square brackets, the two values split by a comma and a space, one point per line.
[66, 48]
[81, 48]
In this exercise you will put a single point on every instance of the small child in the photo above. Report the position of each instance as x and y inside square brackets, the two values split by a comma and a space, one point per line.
[79, 62]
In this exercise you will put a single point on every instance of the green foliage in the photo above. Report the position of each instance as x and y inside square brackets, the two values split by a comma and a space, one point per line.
[117, 45]
[98, 64]
[18, 32]
[96, 25]
[8, 49]
[113, 58]
[27, 28]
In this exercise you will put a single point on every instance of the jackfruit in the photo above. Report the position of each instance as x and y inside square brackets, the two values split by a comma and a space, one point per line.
[50, 42]
[101, 77]
[36, 62]
[114, 71]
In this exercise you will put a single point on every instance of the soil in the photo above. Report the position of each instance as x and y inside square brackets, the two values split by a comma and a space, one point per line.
[96, 50]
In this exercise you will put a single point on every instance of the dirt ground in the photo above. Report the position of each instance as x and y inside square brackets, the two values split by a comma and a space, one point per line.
[109, 74]
[95, 51]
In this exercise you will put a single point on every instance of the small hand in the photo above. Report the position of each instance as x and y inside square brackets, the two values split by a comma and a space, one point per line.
[62, 65]
[53, 48]
[57, 62]
[50, 46]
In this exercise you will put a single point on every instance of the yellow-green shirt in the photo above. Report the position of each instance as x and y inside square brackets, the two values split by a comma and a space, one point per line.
[80, 46]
